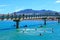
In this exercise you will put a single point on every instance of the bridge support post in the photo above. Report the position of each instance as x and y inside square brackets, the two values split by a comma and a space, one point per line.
[58, 20]
[17, 23]
[44, 21]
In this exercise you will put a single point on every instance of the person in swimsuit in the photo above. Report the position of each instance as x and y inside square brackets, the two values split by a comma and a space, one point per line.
[52, 30]
[25, 27]
[41, 26]
[40, 34]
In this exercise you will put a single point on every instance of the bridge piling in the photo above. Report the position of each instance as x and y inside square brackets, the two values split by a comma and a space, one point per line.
[44, 21]
[17, 23]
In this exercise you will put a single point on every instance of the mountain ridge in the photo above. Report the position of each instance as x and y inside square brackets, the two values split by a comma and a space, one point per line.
[41, 12]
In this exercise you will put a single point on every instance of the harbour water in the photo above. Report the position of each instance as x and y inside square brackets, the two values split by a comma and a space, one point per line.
[8, 31]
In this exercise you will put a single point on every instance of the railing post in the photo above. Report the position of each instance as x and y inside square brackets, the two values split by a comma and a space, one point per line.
[23, 16]
[26, 16]
[2, 17]
[12, 17]
[8, 16]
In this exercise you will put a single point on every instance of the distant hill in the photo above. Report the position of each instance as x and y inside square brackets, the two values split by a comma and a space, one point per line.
[38, 12]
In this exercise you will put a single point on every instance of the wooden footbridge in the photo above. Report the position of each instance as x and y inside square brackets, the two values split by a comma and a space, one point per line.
[18, 18]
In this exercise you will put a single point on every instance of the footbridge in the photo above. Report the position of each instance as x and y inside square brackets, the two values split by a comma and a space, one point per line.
[18, 18]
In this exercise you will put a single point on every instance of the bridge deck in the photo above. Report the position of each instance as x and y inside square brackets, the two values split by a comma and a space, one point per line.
[29, 17]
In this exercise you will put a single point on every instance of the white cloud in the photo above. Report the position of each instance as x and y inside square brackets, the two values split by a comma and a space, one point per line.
[57, 1]
[17, 10]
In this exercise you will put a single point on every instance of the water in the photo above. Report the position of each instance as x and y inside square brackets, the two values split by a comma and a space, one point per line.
[16, 34]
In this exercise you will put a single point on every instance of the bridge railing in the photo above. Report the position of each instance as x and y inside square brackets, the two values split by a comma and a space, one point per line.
[26, 16]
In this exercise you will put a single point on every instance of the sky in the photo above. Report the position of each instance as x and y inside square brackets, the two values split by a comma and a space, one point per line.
[10, 6]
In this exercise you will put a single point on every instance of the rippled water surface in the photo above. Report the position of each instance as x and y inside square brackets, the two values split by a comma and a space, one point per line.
[8, 31]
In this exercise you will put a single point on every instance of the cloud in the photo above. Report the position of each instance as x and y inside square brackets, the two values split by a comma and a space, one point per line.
[17, 10]
[3, 5]
[57, 1]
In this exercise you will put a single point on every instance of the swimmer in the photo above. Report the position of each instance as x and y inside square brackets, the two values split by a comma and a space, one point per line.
[14, 25]
[41, 26]
[52, 30]
[35, 29]
[40, 34]
[25, 26]
[23, 31]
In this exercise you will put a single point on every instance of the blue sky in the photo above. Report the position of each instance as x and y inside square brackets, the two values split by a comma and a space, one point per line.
[9, 6]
